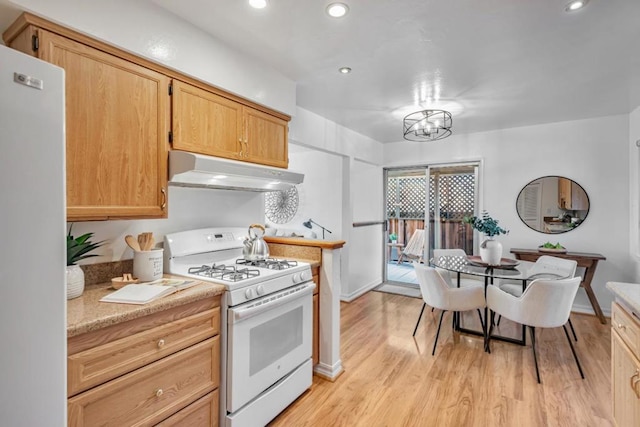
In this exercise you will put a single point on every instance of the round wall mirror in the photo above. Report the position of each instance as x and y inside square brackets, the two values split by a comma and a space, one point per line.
[552, 204]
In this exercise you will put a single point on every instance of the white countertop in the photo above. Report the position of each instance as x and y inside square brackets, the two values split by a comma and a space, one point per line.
[628, 293]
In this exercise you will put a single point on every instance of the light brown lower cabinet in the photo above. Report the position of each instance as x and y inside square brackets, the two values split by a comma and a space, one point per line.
[315, 353]
[625, 360]
[161, 368]
[152, 393]
[201, 413]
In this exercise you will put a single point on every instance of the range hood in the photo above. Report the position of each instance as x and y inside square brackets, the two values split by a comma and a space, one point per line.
[197, 170]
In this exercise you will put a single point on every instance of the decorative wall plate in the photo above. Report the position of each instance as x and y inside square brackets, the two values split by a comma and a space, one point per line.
[281, 206]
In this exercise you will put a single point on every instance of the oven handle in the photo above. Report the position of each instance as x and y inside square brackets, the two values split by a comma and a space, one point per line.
[270, 302]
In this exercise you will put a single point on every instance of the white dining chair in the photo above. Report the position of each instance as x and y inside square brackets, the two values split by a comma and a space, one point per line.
[437, 293]
[546, 264]
[543, 304]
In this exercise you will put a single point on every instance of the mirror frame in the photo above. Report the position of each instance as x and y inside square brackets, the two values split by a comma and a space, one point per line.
[553, 176]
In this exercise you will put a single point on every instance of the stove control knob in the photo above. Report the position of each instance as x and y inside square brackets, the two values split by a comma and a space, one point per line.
[305, 276]
[260, 290]
[296, 278]
[248, 293]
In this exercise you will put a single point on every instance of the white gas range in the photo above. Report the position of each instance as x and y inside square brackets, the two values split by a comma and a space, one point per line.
[266, 321]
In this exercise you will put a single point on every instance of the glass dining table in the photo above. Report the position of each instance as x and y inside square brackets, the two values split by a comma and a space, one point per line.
[509, 269]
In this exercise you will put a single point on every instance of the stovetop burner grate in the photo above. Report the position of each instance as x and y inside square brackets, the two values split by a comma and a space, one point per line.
[229, 273]
[270, 263]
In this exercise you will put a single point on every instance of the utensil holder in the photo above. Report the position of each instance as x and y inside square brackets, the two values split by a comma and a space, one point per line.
[147, 265]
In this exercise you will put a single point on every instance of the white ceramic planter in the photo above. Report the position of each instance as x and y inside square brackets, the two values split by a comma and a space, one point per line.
[491, 251]
[75, 281]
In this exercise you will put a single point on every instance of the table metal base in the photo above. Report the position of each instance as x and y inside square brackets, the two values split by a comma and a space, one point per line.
[488, 322]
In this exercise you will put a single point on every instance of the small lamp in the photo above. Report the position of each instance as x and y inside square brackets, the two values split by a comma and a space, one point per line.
[308, 225]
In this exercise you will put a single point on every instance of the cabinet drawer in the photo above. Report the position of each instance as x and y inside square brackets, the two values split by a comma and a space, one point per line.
[627, 327]
[201, 413]
[152, 393]
[102, 363]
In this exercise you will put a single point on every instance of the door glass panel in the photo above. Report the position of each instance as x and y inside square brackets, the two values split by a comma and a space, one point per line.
[446, 193]
[406, 196]
[453, 196]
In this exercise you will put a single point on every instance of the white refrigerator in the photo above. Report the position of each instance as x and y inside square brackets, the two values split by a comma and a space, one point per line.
[32, 242]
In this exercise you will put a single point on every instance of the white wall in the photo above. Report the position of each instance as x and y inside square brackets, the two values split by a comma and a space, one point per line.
[634, 191]
[592, 152]
[366, 250]
[189, 208]
[145, 29]
[320, 195]
[345, 167]
[311, 130]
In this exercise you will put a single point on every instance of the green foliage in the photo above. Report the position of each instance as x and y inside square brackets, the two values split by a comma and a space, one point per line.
[549, 245]
[485, 224]
[79, 247]
[393, 236]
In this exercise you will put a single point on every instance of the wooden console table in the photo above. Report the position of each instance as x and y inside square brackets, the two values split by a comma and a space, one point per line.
[586, 260]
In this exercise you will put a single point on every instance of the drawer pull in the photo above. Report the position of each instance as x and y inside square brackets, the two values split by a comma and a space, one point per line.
[621, 326]
[160, 343]
[159, 392]
[633, 382]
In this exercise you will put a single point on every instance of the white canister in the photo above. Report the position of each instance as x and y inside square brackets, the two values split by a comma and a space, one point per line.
[147, 265]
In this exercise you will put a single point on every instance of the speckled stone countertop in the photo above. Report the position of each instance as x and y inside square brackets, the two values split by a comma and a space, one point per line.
[86, 313]
[627, 293]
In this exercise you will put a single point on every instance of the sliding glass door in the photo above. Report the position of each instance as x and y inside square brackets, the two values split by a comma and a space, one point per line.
[424, 210]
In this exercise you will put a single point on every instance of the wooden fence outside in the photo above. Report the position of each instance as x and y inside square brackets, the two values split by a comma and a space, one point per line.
[454, 233]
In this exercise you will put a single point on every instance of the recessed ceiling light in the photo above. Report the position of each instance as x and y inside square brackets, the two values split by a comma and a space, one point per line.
[258, 4]
[574, 5]
[219, 176]
[344, 70]
[337, 10]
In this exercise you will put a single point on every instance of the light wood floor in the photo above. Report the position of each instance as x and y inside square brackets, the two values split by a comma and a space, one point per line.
[391, 379]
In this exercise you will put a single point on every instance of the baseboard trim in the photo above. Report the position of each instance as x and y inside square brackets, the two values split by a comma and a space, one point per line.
[329, 372]
[366, 288]
[587, 309]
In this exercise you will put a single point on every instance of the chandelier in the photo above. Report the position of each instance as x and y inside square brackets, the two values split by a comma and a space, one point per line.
[427, 125]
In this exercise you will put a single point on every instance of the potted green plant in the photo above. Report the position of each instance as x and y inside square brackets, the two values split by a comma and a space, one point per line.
[78, 248]
[393, 237]
[490, 249]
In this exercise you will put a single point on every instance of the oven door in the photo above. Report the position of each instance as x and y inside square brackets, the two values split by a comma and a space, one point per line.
[267, 339]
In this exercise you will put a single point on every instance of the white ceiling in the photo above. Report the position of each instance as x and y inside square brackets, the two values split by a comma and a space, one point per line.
[493, 63]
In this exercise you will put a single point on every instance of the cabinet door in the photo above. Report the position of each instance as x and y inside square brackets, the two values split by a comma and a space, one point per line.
[626, 384]
[265, 139]
[564, 193]
[117, 124]
[315, 353]
[205, 123]
[579, 199]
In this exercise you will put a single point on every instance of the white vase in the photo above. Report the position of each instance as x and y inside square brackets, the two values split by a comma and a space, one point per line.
[491, 251]
[75, 281]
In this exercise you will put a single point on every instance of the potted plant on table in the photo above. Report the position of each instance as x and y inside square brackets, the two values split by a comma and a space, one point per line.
[490, 249]
[78, 248]
[393, 237]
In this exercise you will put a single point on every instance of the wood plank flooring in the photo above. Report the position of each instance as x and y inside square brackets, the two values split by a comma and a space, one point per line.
[391, 379]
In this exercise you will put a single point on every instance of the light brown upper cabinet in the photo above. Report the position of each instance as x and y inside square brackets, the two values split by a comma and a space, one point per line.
[117, 125]
[265, 138]
[571, 196]
[207, 123]
[118, 122]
